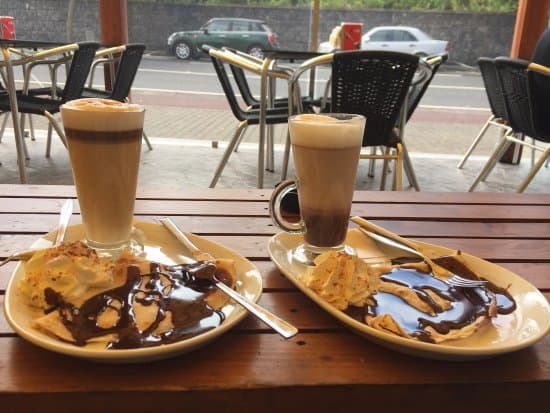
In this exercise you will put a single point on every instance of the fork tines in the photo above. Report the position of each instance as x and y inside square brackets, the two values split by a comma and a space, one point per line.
[464, 282]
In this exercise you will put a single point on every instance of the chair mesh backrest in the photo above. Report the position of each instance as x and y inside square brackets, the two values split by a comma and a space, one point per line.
[78, 72]
[127, 69]
[492, 86]
[512, 74]
[373, 84]
[416, 94]
[226, 86]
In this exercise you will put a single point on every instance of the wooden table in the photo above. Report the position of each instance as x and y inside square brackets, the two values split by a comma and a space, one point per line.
[325, 367]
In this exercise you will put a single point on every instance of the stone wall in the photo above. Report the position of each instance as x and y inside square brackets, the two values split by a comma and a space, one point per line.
[471, 35]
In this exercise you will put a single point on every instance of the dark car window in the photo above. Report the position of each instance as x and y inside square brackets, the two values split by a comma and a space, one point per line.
[403, 36]
[381, 36]
[239, 26]
[218, 26]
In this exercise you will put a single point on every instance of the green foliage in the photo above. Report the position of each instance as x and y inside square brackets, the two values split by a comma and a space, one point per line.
[442, 5]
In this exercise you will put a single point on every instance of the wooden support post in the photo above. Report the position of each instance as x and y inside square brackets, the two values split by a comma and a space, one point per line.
[531, 20]
[113, 18]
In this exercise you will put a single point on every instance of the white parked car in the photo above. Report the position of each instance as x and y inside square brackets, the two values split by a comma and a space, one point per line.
[403, 39]
[398, 39]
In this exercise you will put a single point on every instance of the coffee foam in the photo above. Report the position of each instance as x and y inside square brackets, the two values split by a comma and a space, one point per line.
[321, 131]
[102, 115]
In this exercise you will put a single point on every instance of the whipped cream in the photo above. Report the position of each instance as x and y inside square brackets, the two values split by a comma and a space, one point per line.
[69, 269]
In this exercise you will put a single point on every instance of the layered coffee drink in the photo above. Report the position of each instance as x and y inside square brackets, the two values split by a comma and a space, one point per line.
[104, 140]
[326, 153]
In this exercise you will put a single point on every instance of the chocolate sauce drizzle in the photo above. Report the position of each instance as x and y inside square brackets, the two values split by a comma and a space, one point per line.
[179, 289]
[467, 304]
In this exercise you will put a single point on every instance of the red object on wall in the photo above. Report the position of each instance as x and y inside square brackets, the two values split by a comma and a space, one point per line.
[351, 36]
[7, 27]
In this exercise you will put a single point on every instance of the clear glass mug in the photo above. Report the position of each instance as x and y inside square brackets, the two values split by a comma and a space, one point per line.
[326, 152]
[104, 143]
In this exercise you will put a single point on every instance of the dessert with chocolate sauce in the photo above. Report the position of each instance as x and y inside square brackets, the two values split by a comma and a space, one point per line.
[133, 303]
[405, 298]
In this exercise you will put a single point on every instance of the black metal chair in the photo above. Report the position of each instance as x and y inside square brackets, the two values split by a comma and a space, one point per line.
[245, 116]
[498, 115]
[248, 97]
[127, 69]
[371, 83]
[527, 112]
[46, 106]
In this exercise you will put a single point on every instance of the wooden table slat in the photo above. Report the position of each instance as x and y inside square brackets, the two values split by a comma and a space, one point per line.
[63, 191]
[39, 224]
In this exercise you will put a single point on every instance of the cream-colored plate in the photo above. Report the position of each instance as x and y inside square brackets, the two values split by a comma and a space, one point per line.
[160, 246]
[522, 328]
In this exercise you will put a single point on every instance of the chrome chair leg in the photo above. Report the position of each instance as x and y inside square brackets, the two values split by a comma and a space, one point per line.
[371, 162]
[57, 128]
[408, 166]
[4, 122]
[31, 128]
[269, 155]
[476, 141]
[49, 141]
[147, 142]
[286, 156]
[384, 170]
[543, 158]
[242, 126]
[491, 162]
[239, 142]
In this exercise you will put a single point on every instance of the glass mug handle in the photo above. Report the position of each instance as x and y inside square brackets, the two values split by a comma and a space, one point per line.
[281, 191]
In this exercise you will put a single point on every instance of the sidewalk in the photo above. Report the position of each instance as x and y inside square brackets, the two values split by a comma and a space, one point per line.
[185, 152]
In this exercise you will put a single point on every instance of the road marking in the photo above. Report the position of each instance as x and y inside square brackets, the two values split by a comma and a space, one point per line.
[318, 80]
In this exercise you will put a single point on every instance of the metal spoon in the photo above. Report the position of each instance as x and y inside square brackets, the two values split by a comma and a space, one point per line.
[279, 325]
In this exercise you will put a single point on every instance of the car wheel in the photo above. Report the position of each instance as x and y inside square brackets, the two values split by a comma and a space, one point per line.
[183, 50]
[256, 51]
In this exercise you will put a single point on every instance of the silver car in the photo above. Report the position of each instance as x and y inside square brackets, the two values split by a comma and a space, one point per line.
[403, 39]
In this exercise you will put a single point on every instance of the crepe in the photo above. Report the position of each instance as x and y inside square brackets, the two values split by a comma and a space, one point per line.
[143, 303]
[405, 300]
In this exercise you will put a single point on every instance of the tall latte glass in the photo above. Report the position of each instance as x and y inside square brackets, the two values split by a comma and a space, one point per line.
[326, 153]
[104, 140]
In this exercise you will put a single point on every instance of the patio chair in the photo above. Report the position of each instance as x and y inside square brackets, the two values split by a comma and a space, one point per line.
[63, 56]
[527, 111]
[128, 64]
[46, 106]
[371, 83]
[498, 115]
[246, 116]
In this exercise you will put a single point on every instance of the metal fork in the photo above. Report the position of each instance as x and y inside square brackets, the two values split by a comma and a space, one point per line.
[458, 281]
[394, 240]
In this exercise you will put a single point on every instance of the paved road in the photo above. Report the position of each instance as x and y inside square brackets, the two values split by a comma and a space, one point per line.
[455, 90]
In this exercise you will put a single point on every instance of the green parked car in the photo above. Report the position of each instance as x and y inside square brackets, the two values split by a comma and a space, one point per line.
[247, 35]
